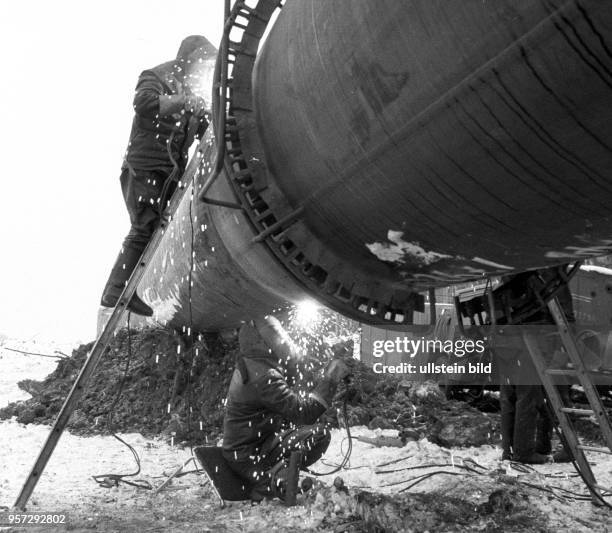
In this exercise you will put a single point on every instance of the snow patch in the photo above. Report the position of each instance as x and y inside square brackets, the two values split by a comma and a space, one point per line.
[597, 268]
[491, 263]
[15, 366]
[402, 251]
[166, 308]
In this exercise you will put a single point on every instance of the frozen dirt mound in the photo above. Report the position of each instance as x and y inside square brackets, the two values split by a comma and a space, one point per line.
[168, 380]
[416, 410]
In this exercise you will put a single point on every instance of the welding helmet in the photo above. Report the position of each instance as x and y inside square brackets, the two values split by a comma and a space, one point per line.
[251, 342]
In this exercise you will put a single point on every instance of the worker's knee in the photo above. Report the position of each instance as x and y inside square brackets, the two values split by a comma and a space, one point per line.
[141, 188]
[321, 435]
[316, 444]
[140, 234]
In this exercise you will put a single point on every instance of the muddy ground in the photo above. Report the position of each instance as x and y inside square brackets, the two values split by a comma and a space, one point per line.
[440, 469]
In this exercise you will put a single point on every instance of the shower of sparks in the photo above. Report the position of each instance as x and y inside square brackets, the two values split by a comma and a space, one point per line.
[306, 315]
[315, 332]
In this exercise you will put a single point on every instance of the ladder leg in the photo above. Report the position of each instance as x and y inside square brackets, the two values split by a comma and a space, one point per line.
[101, 344]
[564, 421]
[582, 373]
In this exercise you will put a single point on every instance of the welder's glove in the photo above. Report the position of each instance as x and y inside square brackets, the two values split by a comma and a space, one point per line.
[336, 371]
[196, 105]
[325, 390]
[169, 104]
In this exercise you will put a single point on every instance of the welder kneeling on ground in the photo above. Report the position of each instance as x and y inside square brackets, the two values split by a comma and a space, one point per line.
[261, 405]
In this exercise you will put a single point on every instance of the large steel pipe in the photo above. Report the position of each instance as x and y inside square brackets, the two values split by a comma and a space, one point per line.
[207, 274]
[382, 148]
[432, 141]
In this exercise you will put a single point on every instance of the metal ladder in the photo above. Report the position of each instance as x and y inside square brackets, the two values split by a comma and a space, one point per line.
[101, 344]
[187, 180]
[564, 413]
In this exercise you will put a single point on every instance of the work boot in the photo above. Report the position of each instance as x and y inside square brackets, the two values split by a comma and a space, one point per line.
[122, 270]
[533, 459]
[562, 456]
[543, 448]
[543, 444]
[136, 305]
[279, 475]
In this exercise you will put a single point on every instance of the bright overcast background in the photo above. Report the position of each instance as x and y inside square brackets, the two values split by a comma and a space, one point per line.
[69, 72]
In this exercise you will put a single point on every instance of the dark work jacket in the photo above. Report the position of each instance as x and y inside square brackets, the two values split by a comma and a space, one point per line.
[148, 145]
[512, 357]
[259, 403]
[517, 286]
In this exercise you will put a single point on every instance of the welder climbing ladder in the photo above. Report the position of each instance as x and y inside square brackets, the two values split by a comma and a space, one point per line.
[101, 344]
[564, 413]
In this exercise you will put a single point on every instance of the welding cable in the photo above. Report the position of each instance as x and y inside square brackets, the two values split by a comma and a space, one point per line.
[522, 467]
[561, 475]
[420, 467]
[472, 468]
[551, 490]
[394, 461]
[189, 392]
[416, 480]
[527, 469]
[566, 494]
[349, 450]
[23, 352]
[333, 465]
[172, 177]
[189, 388]
[113, 480]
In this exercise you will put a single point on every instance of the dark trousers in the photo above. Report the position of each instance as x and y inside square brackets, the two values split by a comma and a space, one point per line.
[142, 192]
[312, 441]
[526, 425]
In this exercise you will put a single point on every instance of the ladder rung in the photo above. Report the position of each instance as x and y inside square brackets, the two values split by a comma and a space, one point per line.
[572, 371]
[603, 489]
[579, 412]
[561, 371]
[594, 449]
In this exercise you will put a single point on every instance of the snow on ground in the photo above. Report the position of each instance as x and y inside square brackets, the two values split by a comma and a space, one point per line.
[67, 484]
[189, 504]
[597, 268]
[15, 366]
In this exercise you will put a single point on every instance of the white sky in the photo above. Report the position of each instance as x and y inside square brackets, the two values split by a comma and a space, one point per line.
[69, 72]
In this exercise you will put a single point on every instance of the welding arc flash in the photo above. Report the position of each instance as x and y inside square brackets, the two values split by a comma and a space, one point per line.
[306, 313]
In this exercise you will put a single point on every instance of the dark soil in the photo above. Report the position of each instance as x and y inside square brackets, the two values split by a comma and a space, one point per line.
[164, 379]
[416, 409]
[505, 509]
[178, 390]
